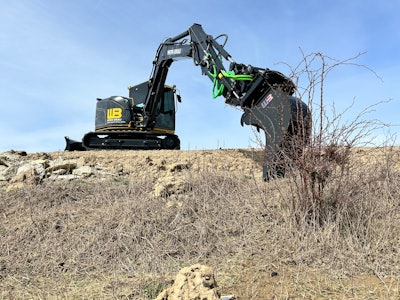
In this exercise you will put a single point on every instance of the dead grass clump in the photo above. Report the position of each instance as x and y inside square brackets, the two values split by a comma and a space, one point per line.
[357, 204]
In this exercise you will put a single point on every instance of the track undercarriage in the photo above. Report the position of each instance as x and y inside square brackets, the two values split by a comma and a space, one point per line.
[129, 140]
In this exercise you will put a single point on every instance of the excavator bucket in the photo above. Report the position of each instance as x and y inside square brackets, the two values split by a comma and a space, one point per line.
[272, 113]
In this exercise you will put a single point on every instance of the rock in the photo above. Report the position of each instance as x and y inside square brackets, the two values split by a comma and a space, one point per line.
[29, 171]
[66, 177]
[179, 167]
[195, 282]
[118, 168]
[84, 171]
[170, 185]
[6, 173]
[58, 172]
[3, 162]
[40, 166]
[25, 172]
[61, 164]
[19, 152]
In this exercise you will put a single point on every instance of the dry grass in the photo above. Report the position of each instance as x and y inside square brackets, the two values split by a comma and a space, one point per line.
[115, 240]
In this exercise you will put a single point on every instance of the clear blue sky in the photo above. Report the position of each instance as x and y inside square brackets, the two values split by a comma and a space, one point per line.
[57, 57]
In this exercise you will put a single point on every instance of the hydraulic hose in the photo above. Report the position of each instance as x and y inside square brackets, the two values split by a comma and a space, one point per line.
[218, 88]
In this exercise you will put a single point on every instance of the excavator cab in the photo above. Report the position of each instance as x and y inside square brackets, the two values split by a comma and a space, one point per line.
[164, 117]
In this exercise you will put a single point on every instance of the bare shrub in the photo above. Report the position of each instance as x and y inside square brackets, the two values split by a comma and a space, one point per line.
[322, 171]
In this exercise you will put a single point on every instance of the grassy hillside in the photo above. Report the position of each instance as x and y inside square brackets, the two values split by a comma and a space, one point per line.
[124, 233]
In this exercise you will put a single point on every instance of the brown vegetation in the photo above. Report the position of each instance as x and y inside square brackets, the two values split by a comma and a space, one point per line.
[115, 238]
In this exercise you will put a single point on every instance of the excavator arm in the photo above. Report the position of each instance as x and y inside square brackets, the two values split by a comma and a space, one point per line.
[238, 85]
[263, 94]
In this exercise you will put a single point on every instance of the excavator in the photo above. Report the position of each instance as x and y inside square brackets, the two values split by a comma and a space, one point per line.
[146, 118]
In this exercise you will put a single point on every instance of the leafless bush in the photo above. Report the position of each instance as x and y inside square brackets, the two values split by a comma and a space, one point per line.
[323, 172]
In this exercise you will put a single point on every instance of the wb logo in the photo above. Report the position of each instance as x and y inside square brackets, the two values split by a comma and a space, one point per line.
[114, 113]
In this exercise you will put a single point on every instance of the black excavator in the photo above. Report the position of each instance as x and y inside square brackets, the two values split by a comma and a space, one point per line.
[146, 118]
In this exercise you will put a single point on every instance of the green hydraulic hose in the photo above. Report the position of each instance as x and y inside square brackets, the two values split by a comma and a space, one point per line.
[218, 88]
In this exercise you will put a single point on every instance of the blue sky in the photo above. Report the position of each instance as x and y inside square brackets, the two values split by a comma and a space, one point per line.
[57, 57]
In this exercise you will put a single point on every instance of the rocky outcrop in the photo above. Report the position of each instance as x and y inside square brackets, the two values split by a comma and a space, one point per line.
[168, 170]
[195, 282]
[17, 168]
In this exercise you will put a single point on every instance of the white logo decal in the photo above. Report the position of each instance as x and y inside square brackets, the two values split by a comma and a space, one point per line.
[267, 100]
[174, 51]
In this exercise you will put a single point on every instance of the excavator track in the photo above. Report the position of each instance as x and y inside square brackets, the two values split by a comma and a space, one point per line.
[130, 140]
